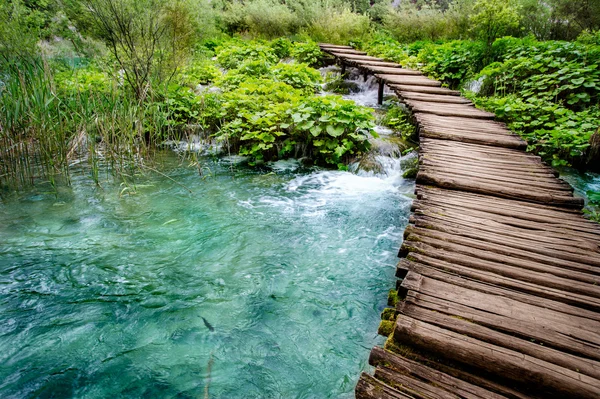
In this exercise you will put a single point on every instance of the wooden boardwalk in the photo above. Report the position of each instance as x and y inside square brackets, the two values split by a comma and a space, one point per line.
[499, 279]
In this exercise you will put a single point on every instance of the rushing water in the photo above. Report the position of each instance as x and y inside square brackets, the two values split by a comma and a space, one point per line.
[234, 284]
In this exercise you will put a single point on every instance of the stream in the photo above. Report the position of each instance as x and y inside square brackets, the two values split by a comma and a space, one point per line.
[237, 283]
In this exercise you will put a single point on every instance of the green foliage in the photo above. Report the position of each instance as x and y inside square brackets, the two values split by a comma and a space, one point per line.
[333, 127]
[269, 18]
[560, 72]
[492, 19]
[198, 72]
[397, 118]
[308, 53]
[182, 106]
[267, 120]
[231, 54]
[452, 62]
[553, 131]
[589, 37]
[247, 70]
[91, 79]
[299, 76]
[409, 23]
[339, 26]
[282, 47]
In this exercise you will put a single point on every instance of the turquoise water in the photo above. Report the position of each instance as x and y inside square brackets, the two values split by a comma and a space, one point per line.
[256, 284]
[582, 182]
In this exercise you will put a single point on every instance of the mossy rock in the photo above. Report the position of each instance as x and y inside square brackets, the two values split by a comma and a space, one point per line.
[392, 298]
[388, 314]
[342, 87]
[386, 327]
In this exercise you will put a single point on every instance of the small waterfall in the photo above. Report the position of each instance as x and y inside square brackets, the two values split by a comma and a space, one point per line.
[385, 158]
[475, 85]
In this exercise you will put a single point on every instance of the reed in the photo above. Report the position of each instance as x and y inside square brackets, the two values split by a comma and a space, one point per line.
[46, 132]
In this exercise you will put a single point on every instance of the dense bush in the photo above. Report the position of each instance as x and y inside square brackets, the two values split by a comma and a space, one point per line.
[339, 26]
[231, 54]
[452, 62]
[308, 53]
[299, 76]
[267, 120]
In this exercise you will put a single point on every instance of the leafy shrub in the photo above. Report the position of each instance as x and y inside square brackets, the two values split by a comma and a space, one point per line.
[182, 105]
[553, 71]
[282, 47]
[492, 19]
[232, 54]
[199, 72]
[397, 119]
[269, 18]
[299, 76]
[338, 26]
[409, 23]
[247, 70]
[332, 127]
[265, 120]
[89, 79]
[553, 131]
[308, 53]
[452, 62]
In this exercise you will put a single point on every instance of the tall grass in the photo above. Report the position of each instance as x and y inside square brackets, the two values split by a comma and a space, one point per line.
[45, 131]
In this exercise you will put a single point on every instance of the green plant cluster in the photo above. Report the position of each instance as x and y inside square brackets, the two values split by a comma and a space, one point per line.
[268, 111]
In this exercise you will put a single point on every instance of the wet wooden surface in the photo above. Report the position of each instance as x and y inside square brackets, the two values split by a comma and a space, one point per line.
[499, 277]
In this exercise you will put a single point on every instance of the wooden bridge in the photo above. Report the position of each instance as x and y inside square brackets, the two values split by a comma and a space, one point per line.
[498, 293]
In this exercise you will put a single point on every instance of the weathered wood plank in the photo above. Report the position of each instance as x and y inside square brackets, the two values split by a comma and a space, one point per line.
[435, 98]
[402, 88]
[459, 386]
[371, 388]
[407, 80]
[561, 301]
[456, 183]
[376, 69]
[453, 318]
[551, 380]
[351, 57]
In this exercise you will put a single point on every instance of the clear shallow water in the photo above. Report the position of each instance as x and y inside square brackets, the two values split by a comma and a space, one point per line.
[254, 285]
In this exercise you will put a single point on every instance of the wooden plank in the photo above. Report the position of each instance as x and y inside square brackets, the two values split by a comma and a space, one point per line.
[460, 122]
[433, 193]
[351, 57]
[576, 334]
[429, 310]
[474, 138]
[476, 259]
[573, 263]
[408, 80]
[363, 63]
[541, 225]
[500, 177]
[549, 298]
[456, 183]
[435, 98]
[401, 88]
[510, 235]
[473, 113]
[412, 386]
[380, 357]
[343, 51]
[371, 388]
[340, 46]
[391, 71]
[550, 379]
